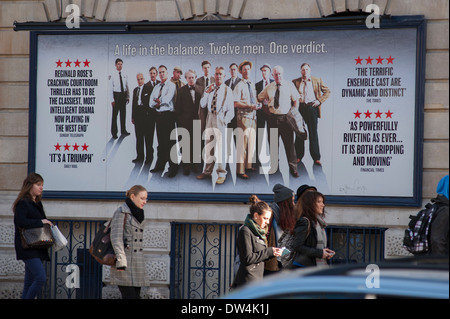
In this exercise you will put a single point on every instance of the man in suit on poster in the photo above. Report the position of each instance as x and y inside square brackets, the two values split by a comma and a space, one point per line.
[313, 93]
[281, 96]
[141, 114]
[218, 100]
[162, 101]
[262, 113]
[119, 97]
[151, 116]
[186, 109]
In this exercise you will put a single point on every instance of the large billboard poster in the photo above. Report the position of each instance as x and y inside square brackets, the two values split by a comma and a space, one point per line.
[101, 125]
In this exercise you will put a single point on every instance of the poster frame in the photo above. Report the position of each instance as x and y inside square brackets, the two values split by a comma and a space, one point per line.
[332, 23]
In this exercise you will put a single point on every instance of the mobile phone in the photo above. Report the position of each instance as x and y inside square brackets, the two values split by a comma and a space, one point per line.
[285, 252]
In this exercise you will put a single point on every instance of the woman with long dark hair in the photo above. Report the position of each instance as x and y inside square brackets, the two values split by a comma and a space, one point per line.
[29, 213]
[310, 239]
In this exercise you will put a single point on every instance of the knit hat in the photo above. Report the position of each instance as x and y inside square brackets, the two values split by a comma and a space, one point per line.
[302, 189]
[442, 187]
[281, 193]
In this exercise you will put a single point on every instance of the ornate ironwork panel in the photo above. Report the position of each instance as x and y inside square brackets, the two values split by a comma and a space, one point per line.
[71, 272]
[202, 259]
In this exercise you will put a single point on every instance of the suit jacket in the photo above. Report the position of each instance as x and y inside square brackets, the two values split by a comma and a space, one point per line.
[200, 84]
[145, 98]
[227, 82]
[151, 86]
[321, 91]
[186, 110]
[260, 85]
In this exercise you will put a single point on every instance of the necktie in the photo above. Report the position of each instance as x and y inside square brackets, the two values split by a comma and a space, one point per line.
[276, 103]
[121, 82]
[160, 91]
[139, 96]
[207, 82]
[214, 101]
[265, 83]
[252, 96]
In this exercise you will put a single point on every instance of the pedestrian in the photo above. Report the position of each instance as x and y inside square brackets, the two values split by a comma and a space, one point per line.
[300, 191]
[252, 243]
[310, 241]
[29, 213]
[127, 233]
[281, 230]
[439, 227]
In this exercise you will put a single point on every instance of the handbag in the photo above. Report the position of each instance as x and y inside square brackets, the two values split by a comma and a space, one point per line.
[60, 239]
[35, 238]
[101, 248]
[297, 123]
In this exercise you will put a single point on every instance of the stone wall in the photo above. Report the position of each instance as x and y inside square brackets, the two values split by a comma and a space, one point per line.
[14, 77]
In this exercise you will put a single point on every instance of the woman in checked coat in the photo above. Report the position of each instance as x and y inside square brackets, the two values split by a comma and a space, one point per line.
[127, 234]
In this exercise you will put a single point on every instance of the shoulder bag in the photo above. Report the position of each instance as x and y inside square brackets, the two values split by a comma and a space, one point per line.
[35, 238]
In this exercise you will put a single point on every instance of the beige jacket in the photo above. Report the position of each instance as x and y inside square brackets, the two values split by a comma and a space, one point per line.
[127, 241]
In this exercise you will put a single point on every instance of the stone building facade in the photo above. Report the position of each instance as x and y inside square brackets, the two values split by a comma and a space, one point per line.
[14, 112]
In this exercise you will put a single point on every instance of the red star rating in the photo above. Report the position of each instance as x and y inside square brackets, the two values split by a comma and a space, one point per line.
[390, 60]
[75, 147]
[358, 60]
[67, 147]
[389, 114]
[368, 114]
[379, 60]
[68, 63]
[378, 114]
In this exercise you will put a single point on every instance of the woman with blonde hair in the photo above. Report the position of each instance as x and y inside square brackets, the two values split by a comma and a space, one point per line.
[127, 234]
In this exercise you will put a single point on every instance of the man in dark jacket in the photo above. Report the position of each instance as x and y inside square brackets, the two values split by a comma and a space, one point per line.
[439, 227]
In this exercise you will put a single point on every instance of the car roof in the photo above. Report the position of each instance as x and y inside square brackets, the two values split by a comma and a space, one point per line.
[399, 278]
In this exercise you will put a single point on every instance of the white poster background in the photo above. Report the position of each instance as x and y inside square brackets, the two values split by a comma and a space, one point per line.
[332, 56]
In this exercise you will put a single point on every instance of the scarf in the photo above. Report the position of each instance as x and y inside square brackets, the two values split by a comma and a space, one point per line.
[254, 227]
[137, 212]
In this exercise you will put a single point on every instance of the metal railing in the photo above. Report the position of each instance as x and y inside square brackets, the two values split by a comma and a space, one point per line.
[72, 273]
[202, 255]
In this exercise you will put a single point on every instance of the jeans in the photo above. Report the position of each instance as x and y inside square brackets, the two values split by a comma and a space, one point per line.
[35, 278]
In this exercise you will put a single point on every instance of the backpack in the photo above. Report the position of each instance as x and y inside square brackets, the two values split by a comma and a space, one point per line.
[417, 237]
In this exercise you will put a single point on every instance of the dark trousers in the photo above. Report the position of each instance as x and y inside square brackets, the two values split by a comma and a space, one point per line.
[165, 123]
[130, 292]
[287, 136]
[120, 102]
[144, 127]
[310, 114]
[261, 119]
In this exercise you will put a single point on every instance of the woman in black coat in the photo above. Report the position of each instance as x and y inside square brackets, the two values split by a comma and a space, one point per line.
[252, 244]
[29, 213]
[310, 241]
